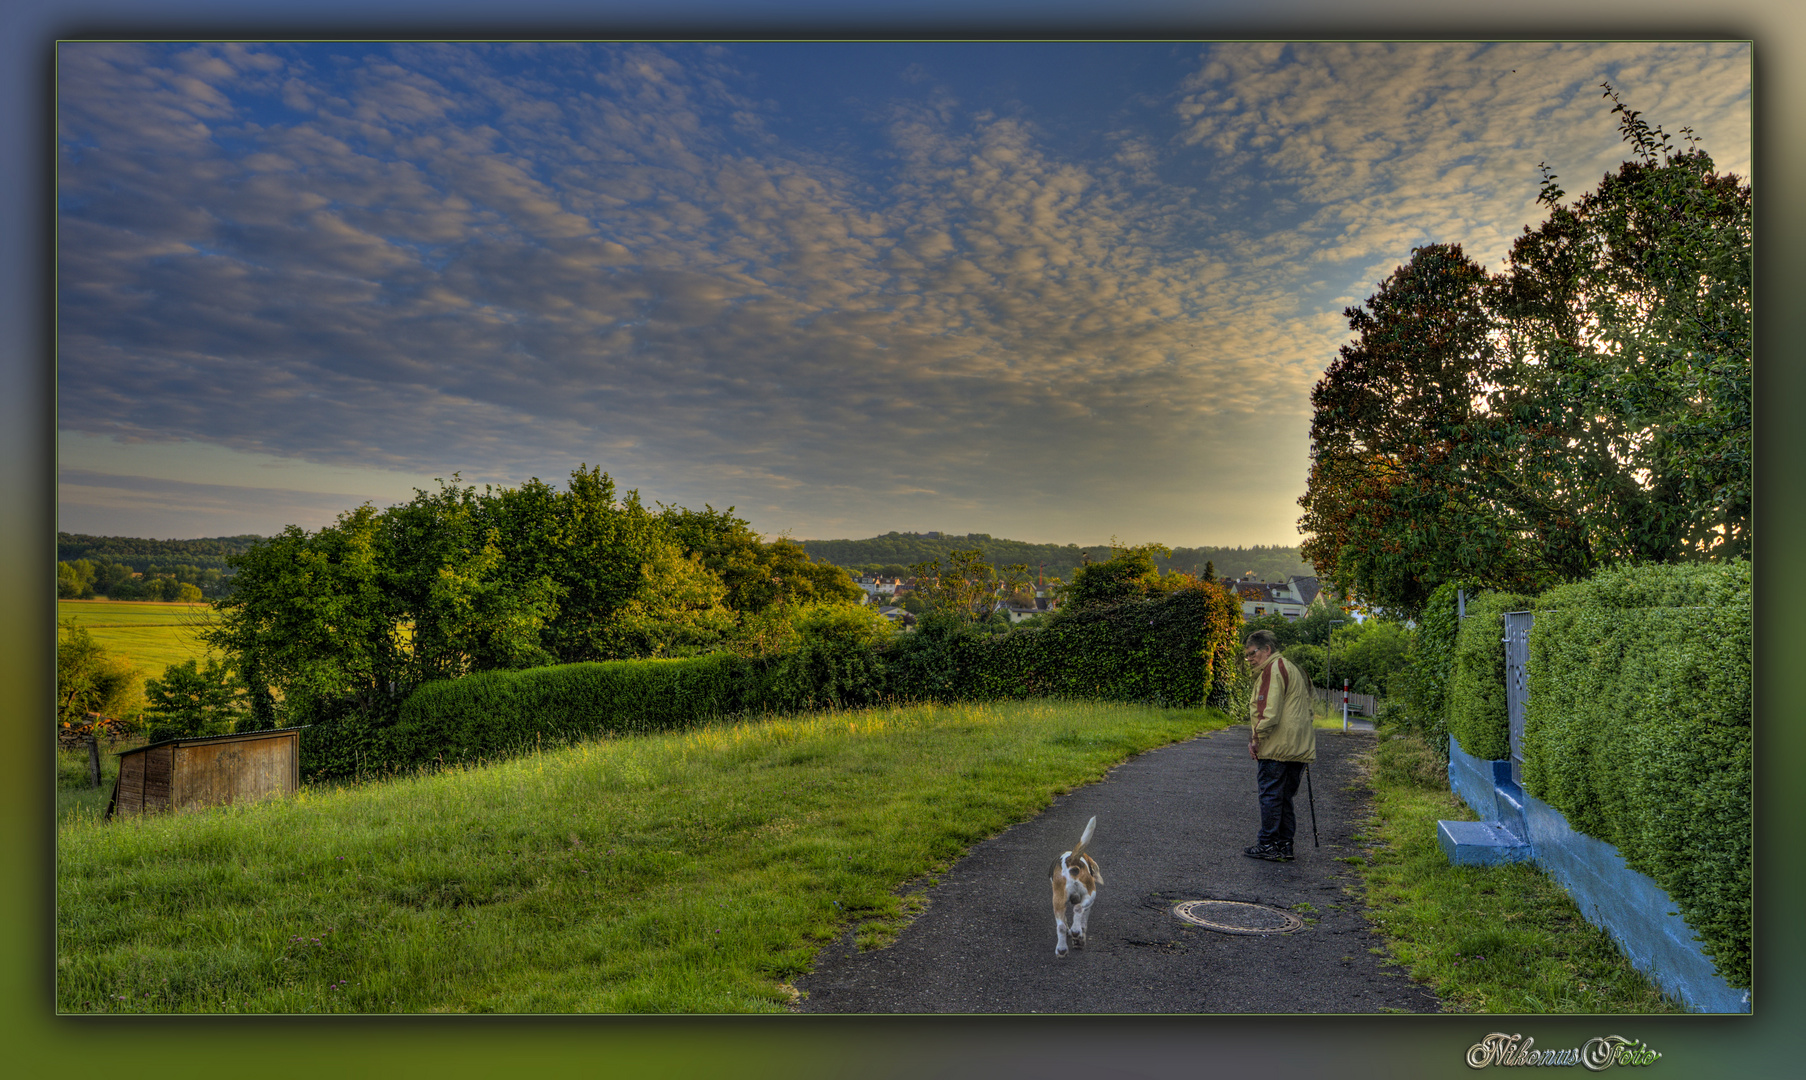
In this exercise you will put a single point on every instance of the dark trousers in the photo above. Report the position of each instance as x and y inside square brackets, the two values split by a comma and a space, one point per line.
[1278, 783]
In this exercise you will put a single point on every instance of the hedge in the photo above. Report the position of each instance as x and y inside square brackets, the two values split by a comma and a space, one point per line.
[1422, 687]
[1477, 716]
[1638, 730]
[495, 713]
[1181, 649]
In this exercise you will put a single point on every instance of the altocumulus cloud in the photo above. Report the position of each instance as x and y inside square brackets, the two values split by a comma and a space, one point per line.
[952, 306]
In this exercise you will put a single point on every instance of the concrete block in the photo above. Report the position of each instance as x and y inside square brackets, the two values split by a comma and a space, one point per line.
[1480, 843]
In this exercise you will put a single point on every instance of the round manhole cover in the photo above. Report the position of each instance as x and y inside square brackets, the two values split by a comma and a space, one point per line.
[1235, 917]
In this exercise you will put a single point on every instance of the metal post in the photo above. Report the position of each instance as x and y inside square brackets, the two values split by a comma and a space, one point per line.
[1345, 704]
[1311, 797]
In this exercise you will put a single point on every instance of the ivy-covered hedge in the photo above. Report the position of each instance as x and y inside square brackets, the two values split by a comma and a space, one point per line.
[1181, 649]
[1638, 730]
[1477, 716]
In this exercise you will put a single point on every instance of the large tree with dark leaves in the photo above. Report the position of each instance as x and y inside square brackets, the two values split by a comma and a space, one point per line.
[1397, 499]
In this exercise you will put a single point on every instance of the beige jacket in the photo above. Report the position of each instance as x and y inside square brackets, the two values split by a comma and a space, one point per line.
[1279, 708]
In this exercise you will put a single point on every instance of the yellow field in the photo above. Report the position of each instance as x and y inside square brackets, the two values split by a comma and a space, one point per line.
[151, 634]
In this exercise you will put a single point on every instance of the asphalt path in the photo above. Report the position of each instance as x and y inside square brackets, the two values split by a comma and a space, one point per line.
[1171, 826]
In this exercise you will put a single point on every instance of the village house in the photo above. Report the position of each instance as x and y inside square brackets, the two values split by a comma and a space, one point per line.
[1291, 597]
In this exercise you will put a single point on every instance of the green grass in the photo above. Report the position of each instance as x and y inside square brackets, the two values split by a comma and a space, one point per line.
[695, 872]
[150, 634]
[1502, 939]
[75, 800]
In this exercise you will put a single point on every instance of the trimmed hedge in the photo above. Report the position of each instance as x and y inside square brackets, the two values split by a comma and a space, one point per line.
[496, 713]
[1638, 731]
[1477, 716]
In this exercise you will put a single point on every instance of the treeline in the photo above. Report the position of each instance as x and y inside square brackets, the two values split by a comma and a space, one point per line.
[210, 553]
[84, 579]
[894, 552]
[133, 568]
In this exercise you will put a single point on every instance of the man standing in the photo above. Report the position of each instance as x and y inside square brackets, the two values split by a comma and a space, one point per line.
[1283, 741]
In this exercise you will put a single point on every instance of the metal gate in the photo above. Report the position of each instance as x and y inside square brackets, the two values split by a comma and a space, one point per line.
[1517, 688]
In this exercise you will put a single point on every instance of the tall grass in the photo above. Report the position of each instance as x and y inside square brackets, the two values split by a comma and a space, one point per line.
[693, 872]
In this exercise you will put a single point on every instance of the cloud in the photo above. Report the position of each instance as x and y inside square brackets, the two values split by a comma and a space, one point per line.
[506, 259]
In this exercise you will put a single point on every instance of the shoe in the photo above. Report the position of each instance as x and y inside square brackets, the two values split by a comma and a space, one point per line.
[1285, 851]
[1269, 852]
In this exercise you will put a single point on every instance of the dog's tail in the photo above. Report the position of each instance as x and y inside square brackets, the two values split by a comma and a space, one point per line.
[1090, 826]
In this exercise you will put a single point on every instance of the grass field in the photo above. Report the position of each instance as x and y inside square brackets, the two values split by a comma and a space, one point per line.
[150, 634]
[1500, 939]
[694, 872]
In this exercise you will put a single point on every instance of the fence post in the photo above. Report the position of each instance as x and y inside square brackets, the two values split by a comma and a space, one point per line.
[1344, 704]
[93, 761]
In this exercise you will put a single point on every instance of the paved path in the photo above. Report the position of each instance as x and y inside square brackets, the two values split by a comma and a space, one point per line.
[1171, 825]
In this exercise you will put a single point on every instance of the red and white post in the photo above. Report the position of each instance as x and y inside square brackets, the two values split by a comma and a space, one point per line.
[1344, 704]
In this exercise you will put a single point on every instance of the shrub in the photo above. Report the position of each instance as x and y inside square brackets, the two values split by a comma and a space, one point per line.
[1420, 686]
[496, 713]
[1174, 649]
[1637, 729]
[832, 660]
[1309, 659]
[1477, 717]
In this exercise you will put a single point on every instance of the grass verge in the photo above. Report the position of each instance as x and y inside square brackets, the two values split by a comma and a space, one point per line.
[691, 872]
[1502, 939]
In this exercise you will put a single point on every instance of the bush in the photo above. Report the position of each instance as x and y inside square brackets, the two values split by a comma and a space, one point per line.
[1310, 660]
[1420, 686]
[1638, 730]
[832, 661]
[1477, 717]
[1178, 649]
[496, 713]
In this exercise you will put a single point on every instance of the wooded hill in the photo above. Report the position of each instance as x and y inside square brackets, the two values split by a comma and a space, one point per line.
[894, 549]
[207, 554]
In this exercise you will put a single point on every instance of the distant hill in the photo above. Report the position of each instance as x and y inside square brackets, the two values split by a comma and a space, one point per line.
[1269, 563]
[207, 554]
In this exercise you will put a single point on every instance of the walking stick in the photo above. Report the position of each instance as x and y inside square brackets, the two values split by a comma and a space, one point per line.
[1311, 796]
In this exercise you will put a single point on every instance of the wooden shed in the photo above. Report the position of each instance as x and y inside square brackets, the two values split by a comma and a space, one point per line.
[183, 774]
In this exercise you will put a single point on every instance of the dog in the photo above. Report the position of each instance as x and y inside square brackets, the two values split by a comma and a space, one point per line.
[1076, 879]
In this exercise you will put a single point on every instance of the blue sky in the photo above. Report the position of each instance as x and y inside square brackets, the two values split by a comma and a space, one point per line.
[1054, 292]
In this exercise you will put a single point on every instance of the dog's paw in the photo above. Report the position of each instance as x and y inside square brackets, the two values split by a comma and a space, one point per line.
[1078, 941]
[1059, 950]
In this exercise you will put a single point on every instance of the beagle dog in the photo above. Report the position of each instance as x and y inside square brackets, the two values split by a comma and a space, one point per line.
[1075, 878]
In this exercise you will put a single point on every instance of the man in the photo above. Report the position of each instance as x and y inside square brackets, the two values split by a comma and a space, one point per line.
[1283, 741]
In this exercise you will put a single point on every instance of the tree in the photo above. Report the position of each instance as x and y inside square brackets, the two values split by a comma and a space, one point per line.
[75, 580]
[1628, 319]
[1591, 404]
[89, 679]
[1129, 574]
[191, 700]
[966, 588]
[1394, 503]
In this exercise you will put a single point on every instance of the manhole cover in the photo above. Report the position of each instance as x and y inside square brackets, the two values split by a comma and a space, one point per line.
[1235, 917]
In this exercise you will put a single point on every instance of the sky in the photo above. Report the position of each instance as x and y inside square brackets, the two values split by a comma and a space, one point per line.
[1055, 292]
